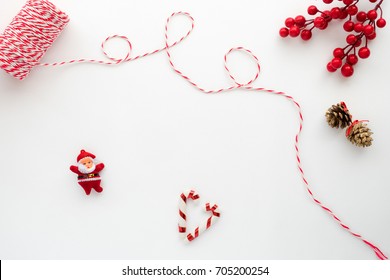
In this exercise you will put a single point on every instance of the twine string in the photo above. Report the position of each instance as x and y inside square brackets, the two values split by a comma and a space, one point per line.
[128, 57]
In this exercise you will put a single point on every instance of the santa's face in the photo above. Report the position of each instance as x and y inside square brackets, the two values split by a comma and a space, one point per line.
[86, 165]
[87, 162]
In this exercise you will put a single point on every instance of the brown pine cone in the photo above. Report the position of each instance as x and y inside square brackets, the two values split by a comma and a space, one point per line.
[338, 116]
[359, 134]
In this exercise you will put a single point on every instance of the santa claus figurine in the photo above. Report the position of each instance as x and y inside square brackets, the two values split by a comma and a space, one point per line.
[88, 172]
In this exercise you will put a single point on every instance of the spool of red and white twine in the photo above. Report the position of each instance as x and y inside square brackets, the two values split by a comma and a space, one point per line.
[30, 34]
[38, 24]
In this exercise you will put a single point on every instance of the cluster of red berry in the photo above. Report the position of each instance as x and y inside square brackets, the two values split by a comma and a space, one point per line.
[362, 24]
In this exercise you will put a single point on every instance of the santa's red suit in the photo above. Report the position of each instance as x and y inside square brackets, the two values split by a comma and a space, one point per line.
[90, 180]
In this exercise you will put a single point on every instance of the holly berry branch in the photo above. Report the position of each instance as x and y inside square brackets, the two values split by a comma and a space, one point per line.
[361, 25]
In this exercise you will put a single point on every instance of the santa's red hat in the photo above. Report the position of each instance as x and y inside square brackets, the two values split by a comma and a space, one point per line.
[84, 154]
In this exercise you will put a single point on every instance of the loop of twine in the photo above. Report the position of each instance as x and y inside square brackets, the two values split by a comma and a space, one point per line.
[128, 57]
[252, 56]
[117, 60]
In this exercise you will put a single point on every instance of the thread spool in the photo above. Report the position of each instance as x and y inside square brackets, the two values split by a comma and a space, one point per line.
[28, 37]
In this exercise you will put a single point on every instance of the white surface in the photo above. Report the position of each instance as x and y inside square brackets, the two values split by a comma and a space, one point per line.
[158, 136]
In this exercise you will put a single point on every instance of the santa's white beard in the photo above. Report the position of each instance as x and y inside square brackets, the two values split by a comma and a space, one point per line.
[83, 169]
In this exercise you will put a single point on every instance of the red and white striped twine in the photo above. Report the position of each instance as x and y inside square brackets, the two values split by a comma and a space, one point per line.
[30, 34]
[38, 24]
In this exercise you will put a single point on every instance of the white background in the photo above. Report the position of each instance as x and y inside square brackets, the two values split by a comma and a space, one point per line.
[158, 136]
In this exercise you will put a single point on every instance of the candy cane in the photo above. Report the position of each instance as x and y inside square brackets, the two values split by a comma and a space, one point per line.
[215, 215]
[182, 226]
[191, 194]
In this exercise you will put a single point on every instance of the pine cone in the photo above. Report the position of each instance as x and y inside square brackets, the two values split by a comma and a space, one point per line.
[338, 116]
[360, 135]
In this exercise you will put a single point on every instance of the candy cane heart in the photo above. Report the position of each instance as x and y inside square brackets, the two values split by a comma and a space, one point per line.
[182, 226]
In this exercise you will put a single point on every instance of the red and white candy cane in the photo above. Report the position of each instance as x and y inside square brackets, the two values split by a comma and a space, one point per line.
[214, 211]
[248, 86]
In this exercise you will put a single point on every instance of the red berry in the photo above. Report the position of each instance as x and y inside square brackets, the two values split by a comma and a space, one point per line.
[335, 13]
[327, 1]
[364, 52]
[326, 15]
[368, 29]
[343, 14]
[312, 10]
[330, 67]
[351, 39]
[361, 16]
[300, 21]
[347, 70]
[306, 35]
[324, 26]
[372, 36]
[352, 10]
[319, 21]
[381, 23]
[283, 32]
[338, 52]
[358, 43]
[352, 59]
[348, 2]
[294, 31]
[358, 27]
[348, 26]
[337, 62]
[372, 15]
[372, 1]
[289, 22]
